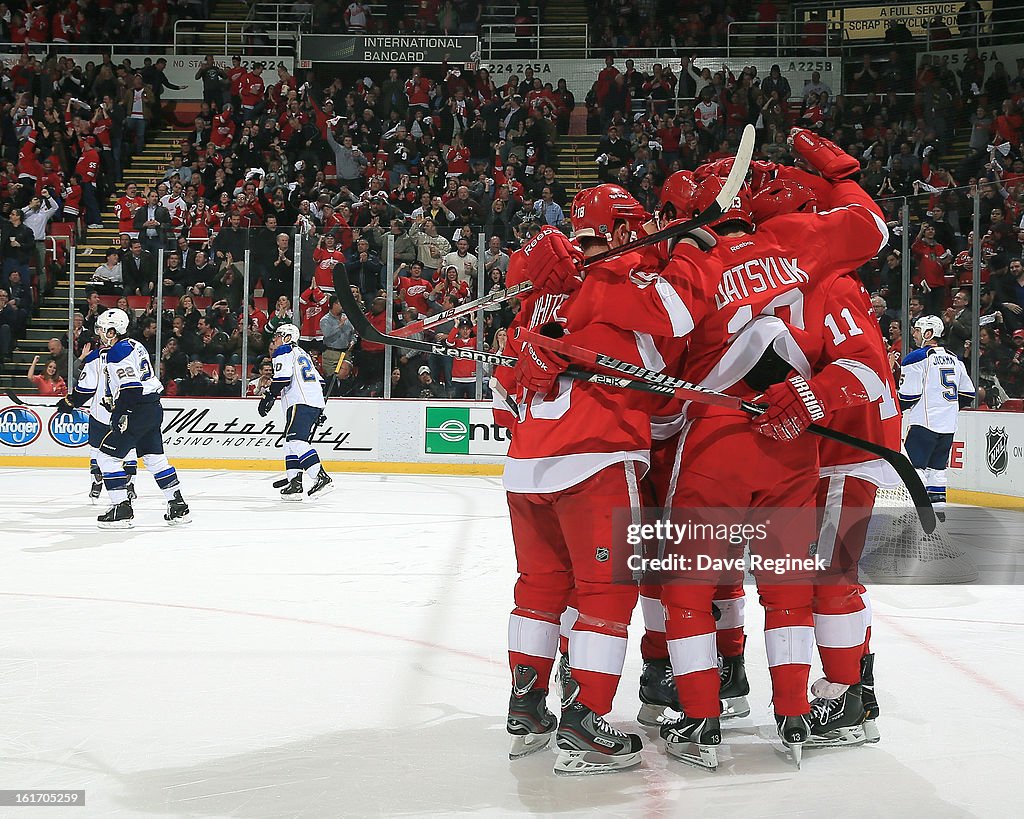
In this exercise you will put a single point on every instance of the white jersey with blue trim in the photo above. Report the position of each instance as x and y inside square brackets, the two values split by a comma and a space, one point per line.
[128, 367]
[92, 384]
[302, 382]
[931, 384]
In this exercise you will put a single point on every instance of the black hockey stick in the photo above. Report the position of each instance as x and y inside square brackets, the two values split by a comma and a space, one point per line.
[684, 389]
[731, 186]
[10, 394]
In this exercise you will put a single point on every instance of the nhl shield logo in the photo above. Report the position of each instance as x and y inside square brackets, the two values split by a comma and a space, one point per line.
[997, 450]
[601, 555]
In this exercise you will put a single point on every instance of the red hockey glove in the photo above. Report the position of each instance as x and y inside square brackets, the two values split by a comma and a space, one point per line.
[792, 407]
[537, 369]
[761, 173]
[552, 262]
[827, 158]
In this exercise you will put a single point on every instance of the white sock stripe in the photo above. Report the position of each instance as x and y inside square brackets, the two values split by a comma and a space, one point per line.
[567, 621]
[732, 613]
[833, 513]
[840, 630]
[866, 600]
[789, 645]
[691, 654]
[591, 651]
[537, 638]
[654, 614]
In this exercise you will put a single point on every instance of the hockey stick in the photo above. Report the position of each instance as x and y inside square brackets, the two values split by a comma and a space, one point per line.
[11, 396]
[337, 369]
[733, 182]
[495, 297]
[731, 186]
[684, 389]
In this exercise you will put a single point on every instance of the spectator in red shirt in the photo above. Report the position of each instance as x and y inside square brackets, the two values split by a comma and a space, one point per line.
[50, 382]
[463, 370]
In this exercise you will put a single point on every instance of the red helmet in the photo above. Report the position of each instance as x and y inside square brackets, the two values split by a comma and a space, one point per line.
[596, 210]
[676, 194]
[690, 195]
[782, 196]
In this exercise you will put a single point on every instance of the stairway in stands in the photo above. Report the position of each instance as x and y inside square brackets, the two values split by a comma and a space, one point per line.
[146, 169]
[221, 33]
[565, 36]
[574, 160]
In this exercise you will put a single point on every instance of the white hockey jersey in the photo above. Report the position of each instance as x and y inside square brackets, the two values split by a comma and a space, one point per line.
[92, 385]
[932, 382]
[302, 382]
[127, 368]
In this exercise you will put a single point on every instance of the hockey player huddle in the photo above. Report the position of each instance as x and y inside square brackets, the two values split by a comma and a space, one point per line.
[765, 305]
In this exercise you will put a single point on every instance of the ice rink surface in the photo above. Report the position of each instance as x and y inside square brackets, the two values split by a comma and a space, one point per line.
[348, 659]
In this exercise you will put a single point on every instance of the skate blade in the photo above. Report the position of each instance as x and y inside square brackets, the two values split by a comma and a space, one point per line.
[116, 524]
[325, 490]
[735, 708]
[293, 498]
[871, 734]
[95, 501]
[529, 744]
[179, 521]
[590, 763]
[706, 756]
[654, 716]
[796, 749]
[838, 738]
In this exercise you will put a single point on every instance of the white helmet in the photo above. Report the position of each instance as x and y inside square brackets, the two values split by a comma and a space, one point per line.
[933, 323]
[113, 319]
[289, 332]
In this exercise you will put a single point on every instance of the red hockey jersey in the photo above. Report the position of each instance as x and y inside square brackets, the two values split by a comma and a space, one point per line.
[839, 316]
[326, 260]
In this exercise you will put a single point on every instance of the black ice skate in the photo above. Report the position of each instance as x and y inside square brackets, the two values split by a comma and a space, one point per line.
[837, 721]
[733, 690]
[794, 731]
[323, 485]
[693, 740]
[867, 696]
[177, 511]
[95, 491]
[657, 692]
[587, 744]
[293, 491]
[565, 681]
[131, 491]
[118, 516]
[529, 722]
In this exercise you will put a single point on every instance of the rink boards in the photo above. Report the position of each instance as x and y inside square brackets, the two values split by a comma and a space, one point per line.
[410, 436]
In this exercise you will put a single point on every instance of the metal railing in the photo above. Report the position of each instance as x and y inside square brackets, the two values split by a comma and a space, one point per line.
[534, 41]
[297, 14]
[257, 38]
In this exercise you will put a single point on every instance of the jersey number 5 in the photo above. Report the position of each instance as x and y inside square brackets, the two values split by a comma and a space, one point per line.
[947, 377]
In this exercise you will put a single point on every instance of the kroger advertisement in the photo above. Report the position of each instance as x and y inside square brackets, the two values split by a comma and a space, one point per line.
[210, 429]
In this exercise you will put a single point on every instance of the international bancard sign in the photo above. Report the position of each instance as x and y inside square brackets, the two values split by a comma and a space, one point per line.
[463, 431]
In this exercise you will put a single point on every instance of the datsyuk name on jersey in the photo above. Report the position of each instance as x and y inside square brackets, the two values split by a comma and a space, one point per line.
[757, 276]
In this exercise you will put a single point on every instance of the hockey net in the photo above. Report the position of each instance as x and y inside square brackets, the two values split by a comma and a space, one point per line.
[897, 549]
